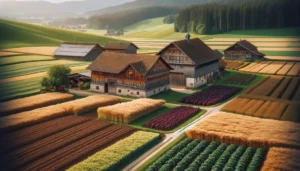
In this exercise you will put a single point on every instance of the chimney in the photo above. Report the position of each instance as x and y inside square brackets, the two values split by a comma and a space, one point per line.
[187, 37]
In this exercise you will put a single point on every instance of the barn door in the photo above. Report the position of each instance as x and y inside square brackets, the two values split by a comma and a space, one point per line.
[177, 80]
[112, 86]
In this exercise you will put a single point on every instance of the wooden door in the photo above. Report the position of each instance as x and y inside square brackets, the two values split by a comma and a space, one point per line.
[112, 86]
[177, 80]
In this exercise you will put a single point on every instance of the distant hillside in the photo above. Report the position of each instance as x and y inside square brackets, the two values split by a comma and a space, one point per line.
[148, 3]
[47, 9]
[122, 19]
[16, 34]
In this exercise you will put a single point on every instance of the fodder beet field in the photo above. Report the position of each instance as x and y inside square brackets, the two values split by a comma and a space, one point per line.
[211, 95]
[172, 118]
[129, 111]
[274, 68]
[282, 159]
[247, 131]
[32, 102]
[275, 97]
[57, 144]
[119, 154]
[194, 155]
[240, 79]
[68, 108]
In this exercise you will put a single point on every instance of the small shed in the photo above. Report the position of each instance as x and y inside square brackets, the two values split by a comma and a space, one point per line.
[121, 47]
[79, 79]
[78, 51]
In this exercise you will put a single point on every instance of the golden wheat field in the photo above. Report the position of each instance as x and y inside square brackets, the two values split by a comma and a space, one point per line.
[234, 65]
[282, 159]
[55, 111]
[274, 68]
[129, 111]
[44, 50]
[247, 131]
[32, 102]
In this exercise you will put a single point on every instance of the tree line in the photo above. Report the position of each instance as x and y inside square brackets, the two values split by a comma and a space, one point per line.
[123, 19]
[238, 15]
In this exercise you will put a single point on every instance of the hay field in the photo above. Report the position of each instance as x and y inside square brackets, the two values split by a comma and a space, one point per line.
[4, 54]
[32, 102]
[68, 108]
[129, 111]
[274, 68]
[282, 159]
[247, 131]
[43, 50]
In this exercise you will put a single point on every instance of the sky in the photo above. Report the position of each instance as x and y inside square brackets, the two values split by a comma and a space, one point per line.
[53, 1]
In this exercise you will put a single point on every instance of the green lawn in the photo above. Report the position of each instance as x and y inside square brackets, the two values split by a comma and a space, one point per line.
[139, 123]
[34, 67]
[9, 60]
[174, 97]
[281, 53]
[17, 34]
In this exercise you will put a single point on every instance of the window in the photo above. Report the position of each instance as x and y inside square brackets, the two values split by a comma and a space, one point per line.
[97, 87]
[154, 91]
[120, 91]
[128, 90]
[137, 93]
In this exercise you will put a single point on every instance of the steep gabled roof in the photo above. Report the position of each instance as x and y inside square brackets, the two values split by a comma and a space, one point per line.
[218, 54]
[249, 46]
[119, 46]
[116, 63]
[75, 49]
[196, 49]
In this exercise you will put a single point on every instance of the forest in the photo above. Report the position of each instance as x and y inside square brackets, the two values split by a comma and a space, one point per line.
[242, 15]
[123, 19]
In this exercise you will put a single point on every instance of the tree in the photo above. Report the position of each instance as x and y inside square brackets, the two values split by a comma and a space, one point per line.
[58, 75]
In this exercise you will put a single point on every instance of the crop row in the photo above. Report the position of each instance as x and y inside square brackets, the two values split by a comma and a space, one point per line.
[211, 95]
[240, 79]
[172, 118]
[194, 155]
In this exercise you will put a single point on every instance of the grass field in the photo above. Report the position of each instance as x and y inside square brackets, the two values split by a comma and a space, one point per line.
[17, 34]
[23, 58]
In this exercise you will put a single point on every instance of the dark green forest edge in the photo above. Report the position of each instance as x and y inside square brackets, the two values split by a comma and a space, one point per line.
[238, 15]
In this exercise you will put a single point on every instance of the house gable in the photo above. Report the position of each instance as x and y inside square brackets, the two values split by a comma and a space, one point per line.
[174, 55]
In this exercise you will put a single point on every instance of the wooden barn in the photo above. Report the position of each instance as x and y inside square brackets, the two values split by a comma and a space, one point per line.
[121, 47]
[243, 50]
[193, 61]
[79, 79]
[78, 51]
[130, 74]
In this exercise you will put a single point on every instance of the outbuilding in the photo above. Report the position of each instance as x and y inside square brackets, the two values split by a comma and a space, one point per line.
[121, 47]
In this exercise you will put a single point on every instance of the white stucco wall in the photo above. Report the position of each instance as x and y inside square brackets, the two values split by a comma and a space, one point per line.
[97, 88]
[197, 82]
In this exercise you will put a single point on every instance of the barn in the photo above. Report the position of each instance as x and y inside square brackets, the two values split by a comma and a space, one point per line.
[78, 51]
[193, 61]
[243, 50]
[125, 74]
[121, 47]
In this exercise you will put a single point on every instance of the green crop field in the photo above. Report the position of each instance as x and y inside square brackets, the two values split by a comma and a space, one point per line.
[17, 34]
[34, 67]
[23, 58]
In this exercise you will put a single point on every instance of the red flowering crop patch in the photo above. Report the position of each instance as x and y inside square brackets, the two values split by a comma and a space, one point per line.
[172, 118]
[211, 95]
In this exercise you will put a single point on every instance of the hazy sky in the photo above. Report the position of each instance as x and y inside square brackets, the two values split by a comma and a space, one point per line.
[53, 1]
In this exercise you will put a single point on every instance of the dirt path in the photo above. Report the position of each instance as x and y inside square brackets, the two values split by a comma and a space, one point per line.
[40, 74]
[43, 50]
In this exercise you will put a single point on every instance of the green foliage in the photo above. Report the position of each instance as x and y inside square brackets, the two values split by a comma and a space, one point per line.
[69, 21]
[257, 160]
[238, 15]
[245, 159]
[211, 160]
[86, 86]
[170, 19]
[233, 160]
[10, 60]
[221, 162]
[118, 154]
[58, 75]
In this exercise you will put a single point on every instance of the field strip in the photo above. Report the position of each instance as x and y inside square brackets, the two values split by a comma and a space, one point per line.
[40, 74]
[2, 54]
[285, 58]
[266, 44]
[43, 50]
[151, 46]
[257, 39]
[264, 49]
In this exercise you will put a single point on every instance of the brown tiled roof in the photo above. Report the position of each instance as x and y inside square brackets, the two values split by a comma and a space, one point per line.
[218, 54]
[119, 46]
[115, 63]
[249, 46]
[196, 49]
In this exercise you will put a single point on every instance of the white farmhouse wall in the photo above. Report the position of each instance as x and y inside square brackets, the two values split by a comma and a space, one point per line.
[97, 88]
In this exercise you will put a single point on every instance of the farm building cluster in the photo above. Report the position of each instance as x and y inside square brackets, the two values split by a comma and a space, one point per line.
[118, 69]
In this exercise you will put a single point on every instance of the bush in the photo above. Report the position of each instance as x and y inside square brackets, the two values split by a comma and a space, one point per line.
[86, 86]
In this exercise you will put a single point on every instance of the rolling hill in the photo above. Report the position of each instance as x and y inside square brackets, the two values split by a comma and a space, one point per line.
[17, 34]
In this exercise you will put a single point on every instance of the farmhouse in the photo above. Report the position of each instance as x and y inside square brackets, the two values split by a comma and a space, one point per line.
[193, 61]
[130, 74]
[121, 47]
[79, 79]
[78, 51]
[243, 50]
[222, 63]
